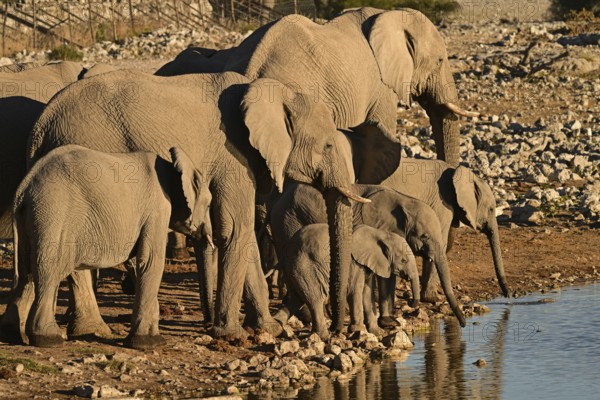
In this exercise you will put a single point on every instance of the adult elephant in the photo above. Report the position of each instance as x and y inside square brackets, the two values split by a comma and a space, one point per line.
[23, 97]
[361, 64]
[241, 134]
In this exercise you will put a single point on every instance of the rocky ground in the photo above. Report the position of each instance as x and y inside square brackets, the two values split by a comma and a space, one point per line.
[538, 144]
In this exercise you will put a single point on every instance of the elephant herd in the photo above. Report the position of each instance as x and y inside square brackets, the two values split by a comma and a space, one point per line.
[290, 136]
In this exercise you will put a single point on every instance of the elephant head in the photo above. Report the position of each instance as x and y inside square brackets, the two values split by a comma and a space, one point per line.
[477, 209]
[299, 140]
[191, 210]
[412, 59]
[418, 223]
[386, 253]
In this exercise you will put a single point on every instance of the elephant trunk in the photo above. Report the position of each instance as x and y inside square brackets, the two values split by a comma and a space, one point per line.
[416, 288]
[446, 133]
[339, 218]
[441, 264]
[494, 239]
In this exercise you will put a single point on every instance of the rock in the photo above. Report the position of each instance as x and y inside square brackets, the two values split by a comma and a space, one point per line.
[108, 392]
[232, 365]
[96, 358]
[288, 347]
[203, 340]
[19, 368]
[87, 391]
[574, 125]
[333, 349]
[70, 370]
[342, 362]
[527, 213]
[398, 340]
[480, 363]
[555, 275]
[264, 338]
[258, 359]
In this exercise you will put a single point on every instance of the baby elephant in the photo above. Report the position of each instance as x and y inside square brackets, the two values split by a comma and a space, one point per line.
[374, 251]
[80, 209]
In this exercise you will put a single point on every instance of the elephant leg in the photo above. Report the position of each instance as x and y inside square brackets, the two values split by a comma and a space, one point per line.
[207, 274]
[368, 299]
[256, 294]
[387, 296]
[176, 246]
[355, 302]
[85, 319]
[41, 328]
[144, 333]
[431, 283]
[315, 306]
[12, 326]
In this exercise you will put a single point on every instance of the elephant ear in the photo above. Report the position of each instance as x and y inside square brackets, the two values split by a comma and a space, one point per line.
[191, 179]
[371, 251]
[393, 48]
[466, 193]
[266, 117]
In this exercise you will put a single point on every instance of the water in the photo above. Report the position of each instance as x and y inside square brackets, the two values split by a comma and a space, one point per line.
[533, 351]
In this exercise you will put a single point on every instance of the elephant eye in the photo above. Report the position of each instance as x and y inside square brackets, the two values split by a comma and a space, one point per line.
[404, 261]
[328, 146]
[425, 236]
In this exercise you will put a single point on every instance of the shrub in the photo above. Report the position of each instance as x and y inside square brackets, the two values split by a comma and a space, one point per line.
[66, 52]
[434, 9]
[560, 9]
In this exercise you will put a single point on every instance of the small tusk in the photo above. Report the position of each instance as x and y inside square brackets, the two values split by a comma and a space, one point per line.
[210, 242]
[352, 196]
[459, 111]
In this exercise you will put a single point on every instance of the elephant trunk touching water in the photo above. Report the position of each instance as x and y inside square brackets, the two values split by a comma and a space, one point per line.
[491, 231]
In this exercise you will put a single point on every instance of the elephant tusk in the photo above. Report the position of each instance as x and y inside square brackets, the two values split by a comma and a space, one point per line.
[352, 196]
[459, 111]
[210, 242]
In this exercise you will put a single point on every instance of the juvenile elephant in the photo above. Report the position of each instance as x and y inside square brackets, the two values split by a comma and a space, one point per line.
[242, 134]
[456, 195]
[73, 212]
[389, 210]
[361, 64]
[374, 252]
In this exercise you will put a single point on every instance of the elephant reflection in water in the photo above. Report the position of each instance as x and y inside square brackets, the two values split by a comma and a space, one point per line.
[444, 374]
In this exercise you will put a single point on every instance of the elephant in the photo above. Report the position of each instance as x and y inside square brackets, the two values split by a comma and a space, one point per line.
[374, 252]
[360, 64]
[72, 212]
[456, 195]
[389, 210]
[245, 136]
[23, 97]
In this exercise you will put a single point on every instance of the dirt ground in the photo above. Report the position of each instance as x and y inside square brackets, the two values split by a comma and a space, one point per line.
[536, 258]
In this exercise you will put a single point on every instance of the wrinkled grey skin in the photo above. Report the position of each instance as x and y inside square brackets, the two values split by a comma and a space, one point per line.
[242, 135]
[23, 97]
[361, 64]
[301, 205]
[456, 195]
[72, 212]
[374, 252]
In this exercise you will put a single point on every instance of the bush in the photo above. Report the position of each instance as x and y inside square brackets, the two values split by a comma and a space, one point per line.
[434, 9]
[561, 9]
[66, 52]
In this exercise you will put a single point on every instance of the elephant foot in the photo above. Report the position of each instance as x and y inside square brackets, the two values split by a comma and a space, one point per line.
[270, 325]
[376, 330]
[144, 342]
[323, 334]
[356, 328]
[178, 253]
[387, 322]
[128, 285]
[431, 296]
[46, 340]
[282, 317]
[229, 332]
[80, 327]
[11, 333]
